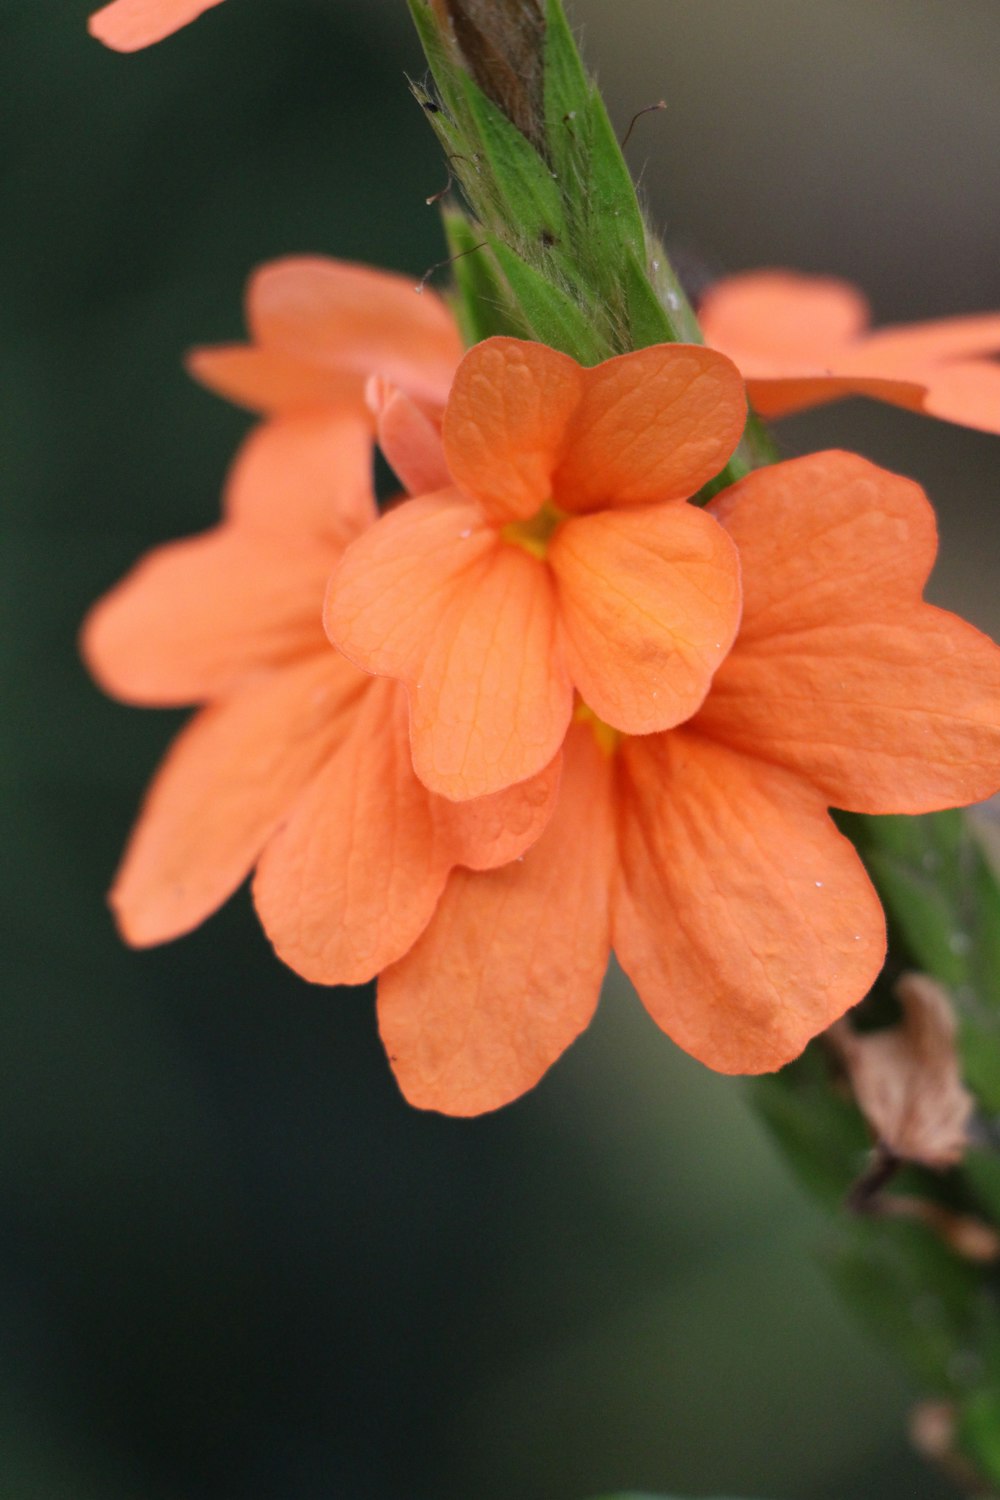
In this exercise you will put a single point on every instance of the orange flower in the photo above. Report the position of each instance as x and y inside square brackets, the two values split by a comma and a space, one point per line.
[557, 554]
[801, 341]
[705, 856]
[130, 25]
[299, 763]
[320, 328]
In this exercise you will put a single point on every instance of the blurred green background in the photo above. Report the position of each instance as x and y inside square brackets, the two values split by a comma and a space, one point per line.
[234, 1264]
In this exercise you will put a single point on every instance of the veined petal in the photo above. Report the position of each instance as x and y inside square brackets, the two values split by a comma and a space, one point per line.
[431, 595]
[505, 422]
[355, 319]
[840, 672]
[765, 320]
[129, 25]
[651, 426]
[271, 380]
[649, 600]
[228, 782]
[410, 441]
[305, 474]
[744, 919]
[509, 970]
[198, 617]
[353, 879]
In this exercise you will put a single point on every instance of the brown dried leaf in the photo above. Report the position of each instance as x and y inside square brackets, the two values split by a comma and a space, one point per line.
[502, 43]
[906, 1078]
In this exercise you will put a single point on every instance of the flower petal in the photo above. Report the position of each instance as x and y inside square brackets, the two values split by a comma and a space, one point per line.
[651, 426]
[198, 617]
[966, 392]
[410, 441]
[782, 397]
[904, 346]
[509, 970]
[505, 422]
[431, 596]
[766, 320]
[840, 672]
[229, 780]
[307, 473]
[353, 879]
[270, 380]
[128, 25]
[649, 600]
[349, 317]
[744, 919]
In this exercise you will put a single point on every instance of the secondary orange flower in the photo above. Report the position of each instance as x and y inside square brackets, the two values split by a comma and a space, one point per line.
[130, 25]
[705, 856]
[299, 763]
[802, 341]
[320, 328]
[559, 554]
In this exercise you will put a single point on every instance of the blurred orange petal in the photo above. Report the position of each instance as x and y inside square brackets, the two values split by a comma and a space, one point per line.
[433, 597]
[649, 600]
[651, 426]
[222, 791]
[129, 25]
[744, 919]
[802, 341]
[304, 474]
[330, 313]
[269, 380]
[966, 392]
[352, 880]
[763, 319]
[199, 617]
[509, 970]
[783, 397]
[840, 671]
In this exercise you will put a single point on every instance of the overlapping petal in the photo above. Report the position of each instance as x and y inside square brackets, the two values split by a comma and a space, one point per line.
[649, 602]
[505, 423]
[223, 790]
[410, 441]
[508, 972]
[352, 880]
[745, 920]
[129, 25]
[432, 596]
[841, 672]
[650, 427]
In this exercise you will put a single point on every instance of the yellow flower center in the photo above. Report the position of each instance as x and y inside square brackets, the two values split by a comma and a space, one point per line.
[606, 737]
[535, 534]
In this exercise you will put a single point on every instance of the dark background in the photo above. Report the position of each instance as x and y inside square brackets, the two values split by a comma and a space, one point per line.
[235, 1266]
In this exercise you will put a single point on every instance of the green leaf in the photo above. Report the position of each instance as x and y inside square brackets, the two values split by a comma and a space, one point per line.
[585, 154]
[520, 191]
[483, 301]
[554, 317]
[647, 319]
